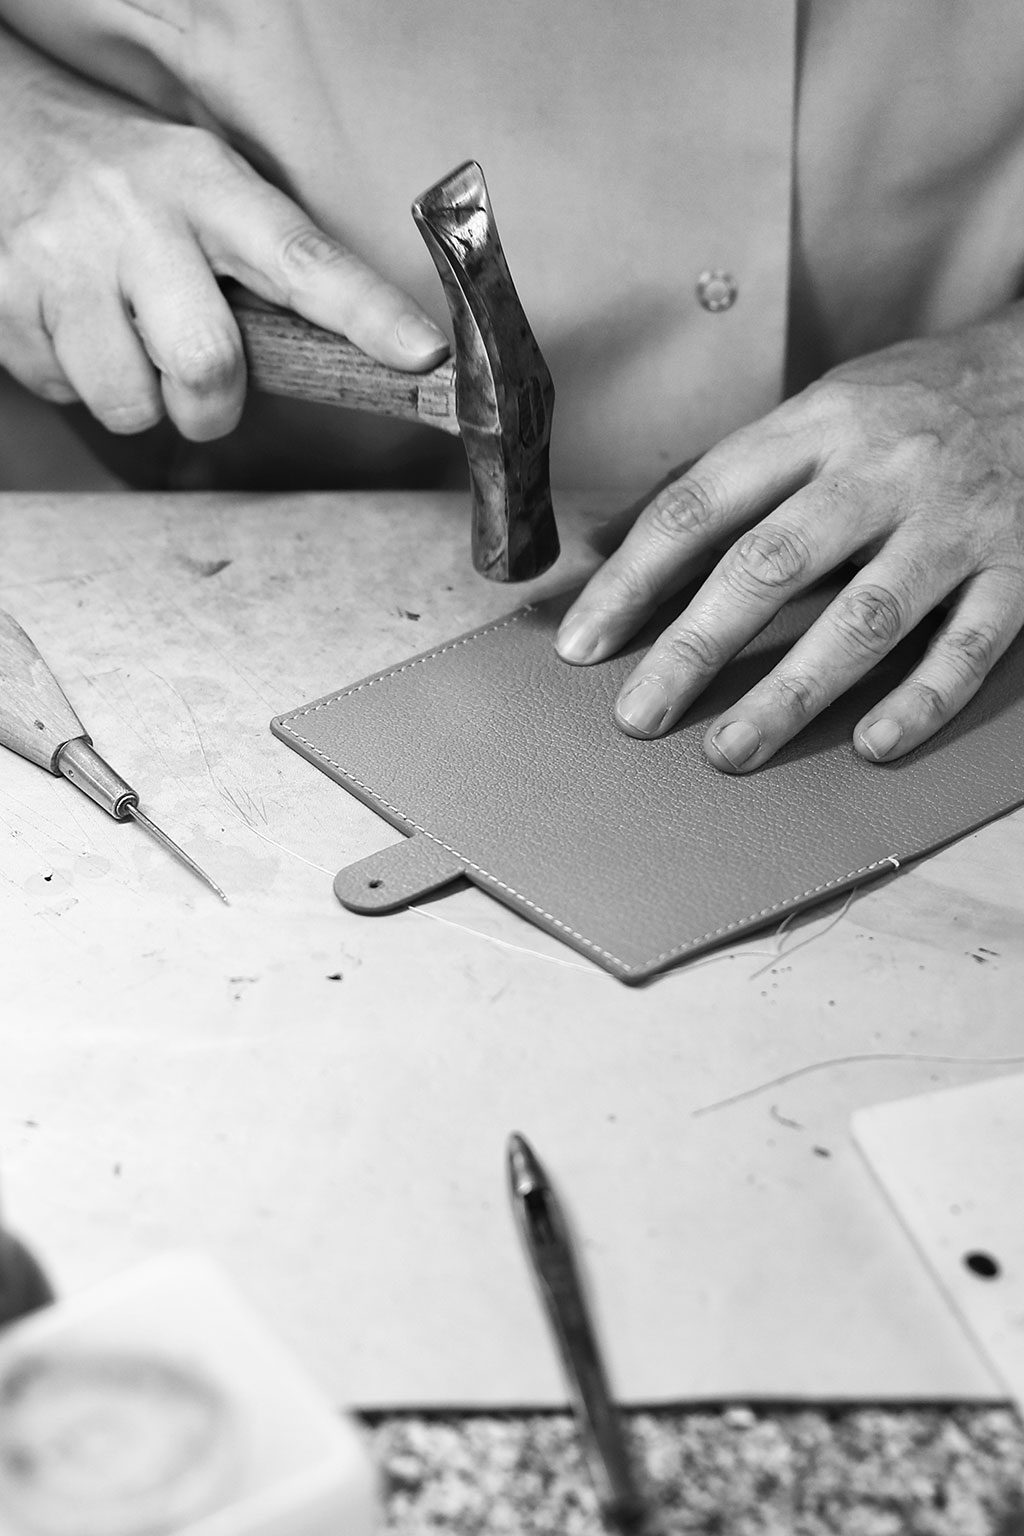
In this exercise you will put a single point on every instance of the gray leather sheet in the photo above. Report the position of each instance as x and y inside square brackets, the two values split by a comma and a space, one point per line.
[503, 764]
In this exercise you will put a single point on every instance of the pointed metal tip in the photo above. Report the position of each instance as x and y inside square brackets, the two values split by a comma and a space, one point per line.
[524, 1170]
[179, 853]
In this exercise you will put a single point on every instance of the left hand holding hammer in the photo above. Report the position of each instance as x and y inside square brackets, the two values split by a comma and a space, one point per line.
[909, 461]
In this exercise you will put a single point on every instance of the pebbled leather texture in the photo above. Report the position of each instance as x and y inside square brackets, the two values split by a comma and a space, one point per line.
[385, 881]
[639, 853]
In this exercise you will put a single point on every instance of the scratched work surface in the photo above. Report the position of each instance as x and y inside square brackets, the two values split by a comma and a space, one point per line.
[321, 1100]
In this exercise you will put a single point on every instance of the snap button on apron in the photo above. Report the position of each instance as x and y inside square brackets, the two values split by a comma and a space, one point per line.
[717, 290]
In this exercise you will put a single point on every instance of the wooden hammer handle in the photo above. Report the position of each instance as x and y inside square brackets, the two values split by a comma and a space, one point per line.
[289, 356]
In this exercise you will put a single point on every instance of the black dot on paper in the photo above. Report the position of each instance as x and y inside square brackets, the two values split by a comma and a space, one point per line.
[982, 1264]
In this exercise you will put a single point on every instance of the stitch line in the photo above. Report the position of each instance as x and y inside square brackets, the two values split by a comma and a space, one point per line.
[466, 863]
[590, 944]
[383, 677]
[469, 864]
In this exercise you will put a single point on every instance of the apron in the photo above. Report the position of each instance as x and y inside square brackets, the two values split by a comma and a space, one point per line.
[641, 163]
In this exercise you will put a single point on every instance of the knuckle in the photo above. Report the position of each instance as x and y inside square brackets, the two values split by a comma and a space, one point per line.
[685, 510]
[971, 652]
[766, 558]
[630, 587]
[934, 704]
[844, 417]
[692, 650]
[831, 398]
[839, 487]
[112, 183]
[205, 153]
[925, 443]
[800, 695]
[868, 620]
[34, 241]
[307, 250]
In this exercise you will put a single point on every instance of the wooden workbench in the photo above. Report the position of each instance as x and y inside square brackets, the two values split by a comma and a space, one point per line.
[179, 626]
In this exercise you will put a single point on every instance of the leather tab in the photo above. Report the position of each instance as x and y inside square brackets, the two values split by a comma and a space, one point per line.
[397, 875]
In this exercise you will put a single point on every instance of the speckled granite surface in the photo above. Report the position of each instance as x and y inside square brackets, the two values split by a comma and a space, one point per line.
[736, 1472]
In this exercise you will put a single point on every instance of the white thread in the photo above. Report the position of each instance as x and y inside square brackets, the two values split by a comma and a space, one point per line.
[491, 938]
[622, 965]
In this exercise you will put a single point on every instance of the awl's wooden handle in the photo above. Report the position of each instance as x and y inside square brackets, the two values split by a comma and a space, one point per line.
[289, 356]
[36, 719]
[37, 722]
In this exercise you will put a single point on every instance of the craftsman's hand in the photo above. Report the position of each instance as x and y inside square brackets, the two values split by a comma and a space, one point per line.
[113, 224]
[909, 461]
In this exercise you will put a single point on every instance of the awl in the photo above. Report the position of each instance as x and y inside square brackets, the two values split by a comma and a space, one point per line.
[38, 722]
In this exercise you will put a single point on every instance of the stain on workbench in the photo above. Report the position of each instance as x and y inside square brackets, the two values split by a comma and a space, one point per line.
[203, 567]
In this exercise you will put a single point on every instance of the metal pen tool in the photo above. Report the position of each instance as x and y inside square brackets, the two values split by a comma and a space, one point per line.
[548, 1245]
[38, 722]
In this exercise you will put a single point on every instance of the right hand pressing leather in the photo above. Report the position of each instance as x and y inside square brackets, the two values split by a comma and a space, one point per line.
[113, 224]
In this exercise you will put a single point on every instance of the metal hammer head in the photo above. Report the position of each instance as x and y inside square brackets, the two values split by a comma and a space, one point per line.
[504, 396]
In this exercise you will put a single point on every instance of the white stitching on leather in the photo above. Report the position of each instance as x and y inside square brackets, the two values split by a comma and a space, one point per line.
[407, 666]
[668, 954]
[815, 890]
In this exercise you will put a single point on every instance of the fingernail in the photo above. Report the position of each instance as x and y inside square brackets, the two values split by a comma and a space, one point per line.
[644, 706]
[881, 738]
[419, 336]
[579, 637]
[737, 742]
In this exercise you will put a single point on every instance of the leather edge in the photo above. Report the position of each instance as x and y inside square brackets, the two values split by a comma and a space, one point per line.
[397, 875]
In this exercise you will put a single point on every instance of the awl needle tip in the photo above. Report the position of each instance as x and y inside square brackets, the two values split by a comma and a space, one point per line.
[179, 853]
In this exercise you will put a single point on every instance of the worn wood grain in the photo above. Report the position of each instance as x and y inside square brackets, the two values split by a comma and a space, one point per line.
[288, 356]
[35, 717]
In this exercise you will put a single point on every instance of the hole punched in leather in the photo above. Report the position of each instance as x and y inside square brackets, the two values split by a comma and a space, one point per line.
[397, 876]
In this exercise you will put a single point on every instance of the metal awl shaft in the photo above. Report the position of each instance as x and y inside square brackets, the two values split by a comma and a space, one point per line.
[172, 847]
[38, 722]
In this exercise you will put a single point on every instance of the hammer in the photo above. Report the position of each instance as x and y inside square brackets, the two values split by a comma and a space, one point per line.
[496, 391]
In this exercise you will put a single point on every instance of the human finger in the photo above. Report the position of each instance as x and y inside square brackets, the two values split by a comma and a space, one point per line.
[103, 359]
[744, 477]
[883, 602]
[983, 620]
[31, 360]
[786, 552]
[26, 347]
[252, 232]
[190, 335]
